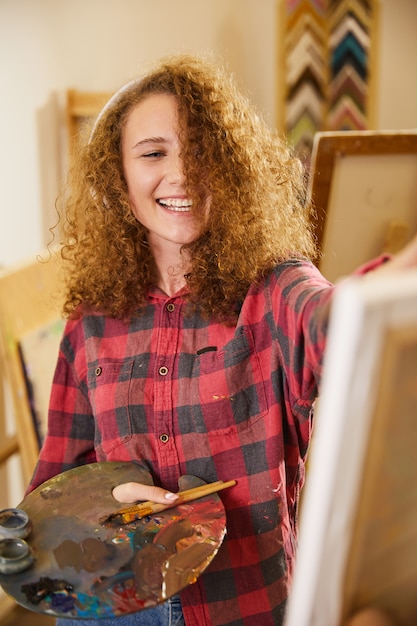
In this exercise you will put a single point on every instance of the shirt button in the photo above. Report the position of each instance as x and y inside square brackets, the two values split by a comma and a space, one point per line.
[170, 307]
[98, 371]
[163, 370]
[164, 438]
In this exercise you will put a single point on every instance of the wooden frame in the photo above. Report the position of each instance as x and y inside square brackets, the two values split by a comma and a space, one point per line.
[82, 107]
[363, 186]
[29, 299]
[358, 533]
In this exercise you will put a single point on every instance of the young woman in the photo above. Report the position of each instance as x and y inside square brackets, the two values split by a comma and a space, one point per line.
[196, 325]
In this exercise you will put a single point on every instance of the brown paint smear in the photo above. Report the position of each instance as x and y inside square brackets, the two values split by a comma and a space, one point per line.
[89, 555]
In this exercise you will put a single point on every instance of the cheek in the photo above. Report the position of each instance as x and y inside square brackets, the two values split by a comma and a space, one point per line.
[142, 214]
[135, 203]
[137, 212]
[140, 186]
[136, 192]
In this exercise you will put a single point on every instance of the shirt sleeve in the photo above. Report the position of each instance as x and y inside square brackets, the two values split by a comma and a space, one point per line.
[302, 299]
[69, 441]
[305, 297]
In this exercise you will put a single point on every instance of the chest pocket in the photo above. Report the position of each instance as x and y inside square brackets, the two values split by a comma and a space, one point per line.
[109, 389]
[227, 388]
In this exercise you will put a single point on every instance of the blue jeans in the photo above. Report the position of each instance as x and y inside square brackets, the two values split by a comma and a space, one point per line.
[167, 614]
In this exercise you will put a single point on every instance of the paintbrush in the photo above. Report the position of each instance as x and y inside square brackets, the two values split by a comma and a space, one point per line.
[137, 511]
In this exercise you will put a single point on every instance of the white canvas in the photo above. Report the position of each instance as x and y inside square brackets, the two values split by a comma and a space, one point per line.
[360, 498]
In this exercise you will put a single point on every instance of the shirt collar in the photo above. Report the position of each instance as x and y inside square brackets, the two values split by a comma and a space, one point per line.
[155, 293]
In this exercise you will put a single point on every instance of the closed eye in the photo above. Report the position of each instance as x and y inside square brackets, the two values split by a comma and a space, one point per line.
[154, 154]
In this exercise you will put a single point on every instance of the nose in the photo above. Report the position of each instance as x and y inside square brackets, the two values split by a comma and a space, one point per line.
[175, 170]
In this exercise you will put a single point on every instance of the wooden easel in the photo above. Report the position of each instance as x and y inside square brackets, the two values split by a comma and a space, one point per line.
[29, 299]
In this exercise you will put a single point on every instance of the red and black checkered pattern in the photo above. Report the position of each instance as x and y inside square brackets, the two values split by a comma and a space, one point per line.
[180, 395]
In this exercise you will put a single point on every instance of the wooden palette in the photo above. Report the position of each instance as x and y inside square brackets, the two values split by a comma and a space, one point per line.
[87, 568]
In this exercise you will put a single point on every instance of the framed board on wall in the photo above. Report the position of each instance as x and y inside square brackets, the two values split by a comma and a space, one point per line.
[364, 187]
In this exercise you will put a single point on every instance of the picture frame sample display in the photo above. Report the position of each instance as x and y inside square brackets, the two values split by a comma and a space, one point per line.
[358, 530]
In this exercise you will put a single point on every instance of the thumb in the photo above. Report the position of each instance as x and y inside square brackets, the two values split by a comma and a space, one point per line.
[133, 492]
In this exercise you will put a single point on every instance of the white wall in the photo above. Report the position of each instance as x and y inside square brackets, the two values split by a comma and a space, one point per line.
[48, 46]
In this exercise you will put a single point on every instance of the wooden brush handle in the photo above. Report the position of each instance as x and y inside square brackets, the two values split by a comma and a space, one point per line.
[137, 511]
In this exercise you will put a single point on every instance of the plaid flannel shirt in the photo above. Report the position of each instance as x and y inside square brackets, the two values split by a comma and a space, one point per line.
[180, 395]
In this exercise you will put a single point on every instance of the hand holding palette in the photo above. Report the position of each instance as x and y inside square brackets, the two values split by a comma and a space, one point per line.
[91, 560]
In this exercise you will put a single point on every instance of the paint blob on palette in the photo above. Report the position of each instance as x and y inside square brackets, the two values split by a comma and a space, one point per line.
[83, 567]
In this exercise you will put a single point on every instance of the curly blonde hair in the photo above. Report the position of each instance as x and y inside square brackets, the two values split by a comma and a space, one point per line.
[256, 184]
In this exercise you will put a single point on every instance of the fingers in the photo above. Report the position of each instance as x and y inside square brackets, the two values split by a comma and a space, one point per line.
[134, 492]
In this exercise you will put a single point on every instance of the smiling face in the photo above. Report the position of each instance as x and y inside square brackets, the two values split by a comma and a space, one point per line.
[153, 169]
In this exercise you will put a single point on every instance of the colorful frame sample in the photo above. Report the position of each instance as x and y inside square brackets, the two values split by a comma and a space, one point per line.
[328, 51]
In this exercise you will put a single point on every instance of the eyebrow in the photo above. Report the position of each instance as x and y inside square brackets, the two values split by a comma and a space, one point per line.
[149, 140]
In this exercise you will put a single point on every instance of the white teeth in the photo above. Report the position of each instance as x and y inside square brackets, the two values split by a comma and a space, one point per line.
[177, 204]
